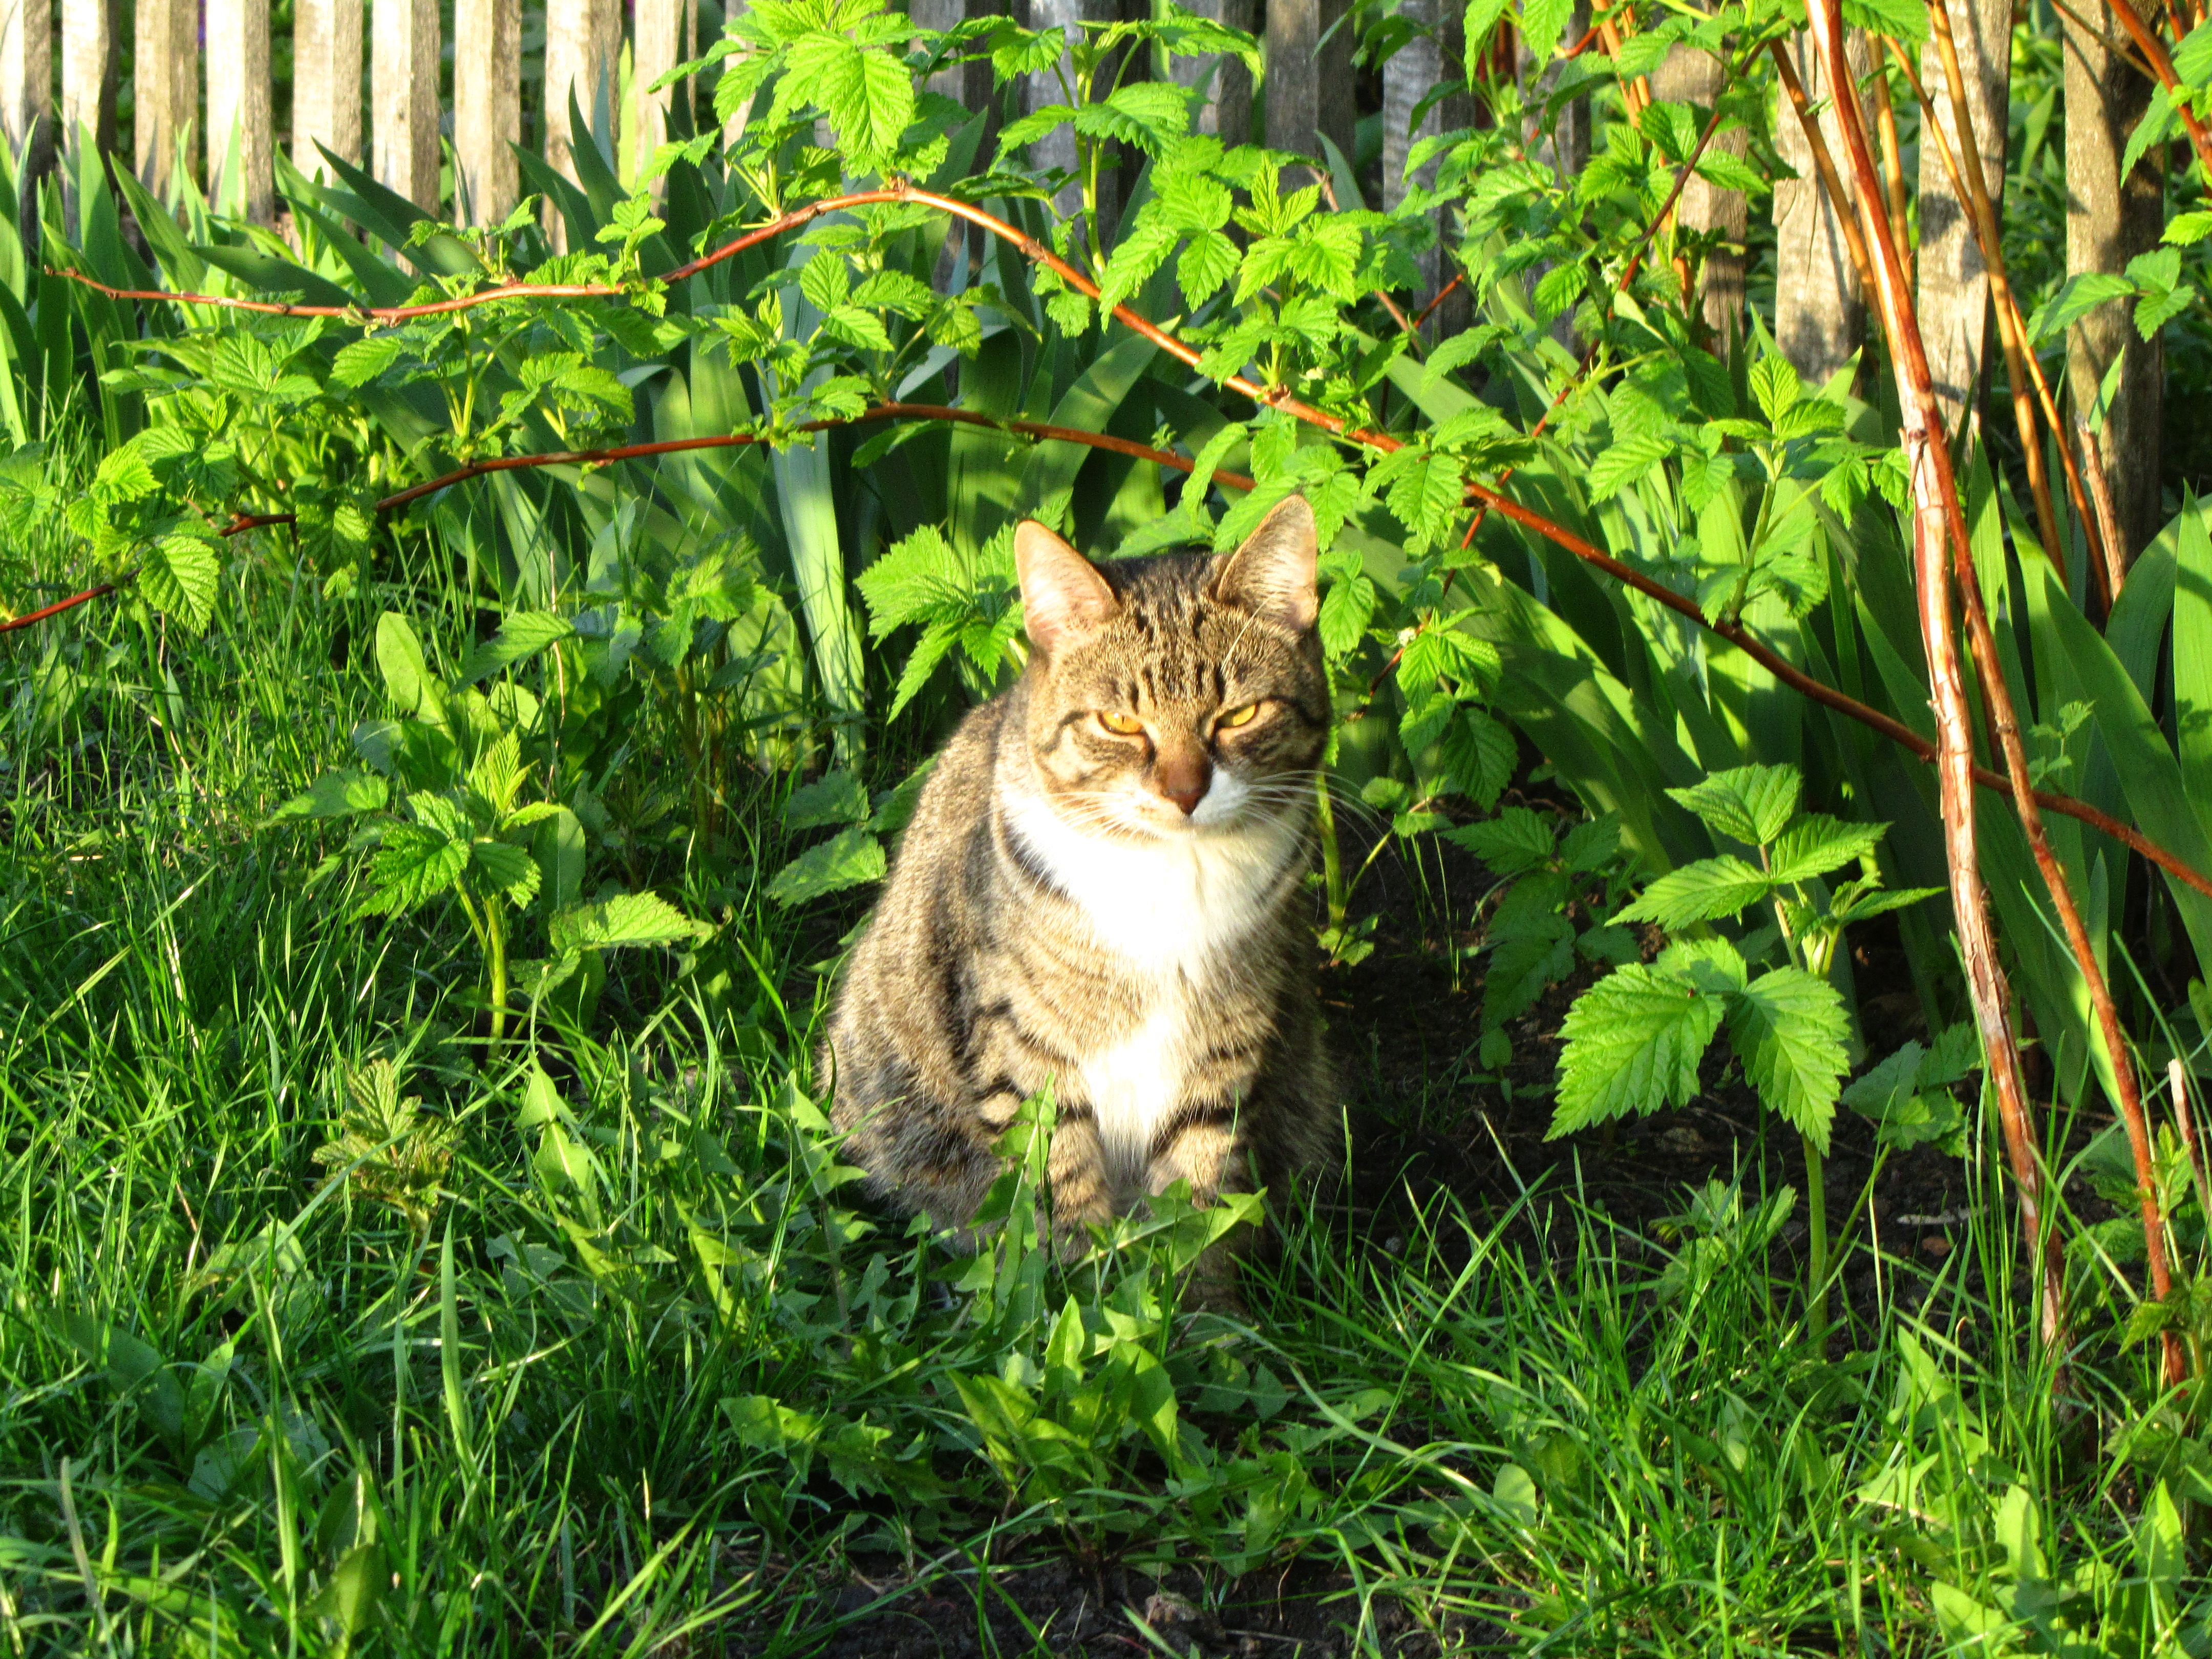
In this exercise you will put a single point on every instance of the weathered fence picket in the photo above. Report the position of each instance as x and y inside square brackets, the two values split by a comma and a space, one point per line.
[487, 107]
[240, 133]
[165, 82]
[325, 81]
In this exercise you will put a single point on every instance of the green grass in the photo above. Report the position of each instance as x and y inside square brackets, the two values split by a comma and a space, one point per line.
[646, 1380]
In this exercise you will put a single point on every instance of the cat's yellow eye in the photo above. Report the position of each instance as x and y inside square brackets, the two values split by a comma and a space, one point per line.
[1236, 717]
[1126, 726]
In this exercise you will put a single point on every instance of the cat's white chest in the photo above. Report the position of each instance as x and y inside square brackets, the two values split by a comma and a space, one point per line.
[1175, 911]
[1134, 1087]
[1179, 904]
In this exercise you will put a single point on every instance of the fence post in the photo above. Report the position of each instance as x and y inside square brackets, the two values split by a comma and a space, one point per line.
[1309, 82]
[27, 93]
[165, 83]
[487, 107]
[656, 46]
[1227, 108]
[583, 44]
[89, 66]
[238, 108]
[325, 83]
[403, 97]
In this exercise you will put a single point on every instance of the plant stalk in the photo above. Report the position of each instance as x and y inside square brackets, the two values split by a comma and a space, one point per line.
[2108, 517]
[1825, 163]
[1816, 1247]
[1935, 506]
[1893, 173]
[495, 952]
[1332, 856]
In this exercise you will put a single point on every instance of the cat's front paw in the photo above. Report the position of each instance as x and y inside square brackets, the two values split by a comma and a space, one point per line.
[1075, 1229]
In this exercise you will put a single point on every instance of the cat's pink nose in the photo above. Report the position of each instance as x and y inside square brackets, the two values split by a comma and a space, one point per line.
[1182, 780]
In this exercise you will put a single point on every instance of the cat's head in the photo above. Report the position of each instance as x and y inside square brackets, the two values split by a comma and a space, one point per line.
[1181, 694]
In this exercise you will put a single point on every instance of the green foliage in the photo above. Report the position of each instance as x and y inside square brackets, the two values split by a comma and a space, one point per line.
[1559, 887]
[386, 1149]
[1635, 1040]
[453, 805]
[664, 1348]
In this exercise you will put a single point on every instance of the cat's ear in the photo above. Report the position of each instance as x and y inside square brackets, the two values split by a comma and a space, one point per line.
[1062, 592]
[1273, 574]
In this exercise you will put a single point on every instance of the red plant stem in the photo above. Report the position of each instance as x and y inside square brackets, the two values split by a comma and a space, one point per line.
[1038, 429]
[1938, 526]
[1443, 293]
[1666, 208]
[60, 606]
[1893, 172]
[753, 238]
[2108, 517]
[1974, 196]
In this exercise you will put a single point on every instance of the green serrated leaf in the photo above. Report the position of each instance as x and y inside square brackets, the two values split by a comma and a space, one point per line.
[626, 918]
[837, 798]
[1789, 1030]
[1517, 839]
[360, 361]
[1633, 1041]
[1749, 804]
[334, 795]
[181, 578]
[1816, 843]
[415, 864]
[521, 637]
[851, 858]
[498, 867]
[1704, 891]
[1478, 756]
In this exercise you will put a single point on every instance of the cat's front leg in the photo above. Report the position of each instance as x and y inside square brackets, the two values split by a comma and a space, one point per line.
[1082, 1195]
[1200, 1144]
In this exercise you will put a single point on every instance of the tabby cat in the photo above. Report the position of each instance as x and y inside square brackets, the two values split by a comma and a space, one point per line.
[1103, 888]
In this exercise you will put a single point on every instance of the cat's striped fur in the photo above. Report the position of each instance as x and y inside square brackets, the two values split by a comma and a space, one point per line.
[1119, 914]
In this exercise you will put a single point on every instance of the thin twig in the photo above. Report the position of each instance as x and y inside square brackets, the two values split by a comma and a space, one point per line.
[69, 604]
[1893, 173]
[2111, 42]
[371, 314]
[2108, 517]
[1443, 293]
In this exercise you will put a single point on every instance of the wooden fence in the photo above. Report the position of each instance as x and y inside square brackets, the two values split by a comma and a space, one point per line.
[590, 48]
[606, 54]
